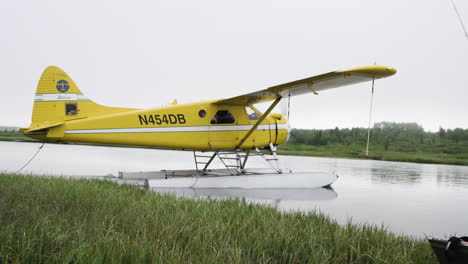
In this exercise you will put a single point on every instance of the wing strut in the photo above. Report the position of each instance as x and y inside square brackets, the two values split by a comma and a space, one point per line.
[277, 100]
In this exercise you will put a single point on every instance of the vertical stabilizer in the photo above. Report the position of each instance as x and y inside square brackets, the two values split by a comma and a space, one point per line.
[58, 100]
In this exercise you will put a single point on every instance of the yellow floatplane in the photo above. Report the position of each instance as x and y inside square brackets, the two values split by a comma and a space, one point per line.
[232, 129]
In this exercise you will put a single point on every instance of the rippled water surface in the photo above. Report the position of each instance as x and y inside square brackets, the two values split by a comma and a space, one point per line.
[414, 199]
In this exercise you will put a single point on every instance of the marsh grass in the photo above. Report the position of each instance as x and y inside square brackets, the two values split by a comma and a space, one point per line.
[50, 220]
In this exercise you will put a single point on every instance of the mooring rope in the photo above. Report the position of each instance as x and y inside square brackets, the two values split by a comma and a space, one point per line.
[289, 104]
[370, 117]
[31, 159]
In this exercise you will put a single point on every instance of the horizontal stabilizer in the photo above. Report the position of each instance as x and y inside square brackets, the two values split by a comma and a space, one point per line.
[39, 127]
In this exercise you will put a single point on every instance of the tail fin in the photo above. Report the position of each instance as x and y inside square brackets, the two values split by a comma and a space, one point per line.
[58, 100]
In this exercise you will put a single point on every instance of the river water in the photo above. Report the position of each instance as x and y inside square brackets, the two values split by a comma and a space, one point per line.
[406, 198]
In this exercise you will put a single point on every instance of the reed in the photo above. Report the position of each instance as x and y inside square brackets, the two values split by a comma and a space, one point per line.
[50, 220]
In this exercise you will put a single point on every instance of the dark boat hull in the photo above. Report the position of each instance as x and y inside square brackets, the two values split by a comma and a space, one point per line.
[451, 251]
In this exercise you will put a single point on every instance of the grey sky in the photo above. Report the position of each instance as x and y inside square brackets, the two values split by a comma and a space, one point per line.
[145, 53]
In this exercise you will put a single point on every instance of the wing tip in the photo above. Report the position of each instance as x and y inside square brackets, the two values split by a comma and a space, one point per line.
[375, 71]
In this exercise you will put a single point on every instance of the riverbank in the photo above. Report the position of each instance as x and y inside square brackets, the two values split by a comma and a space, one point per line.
[15, 137]
[47, 220]
[375, 153]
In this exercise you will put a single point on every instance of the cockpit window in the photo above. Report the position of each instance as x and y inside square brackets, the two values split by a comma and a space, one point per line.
[223, 117]
[252, 114]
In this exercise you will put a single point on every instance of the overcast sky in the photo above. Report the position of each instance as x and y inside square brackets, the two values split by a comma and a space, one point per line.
[144, 54]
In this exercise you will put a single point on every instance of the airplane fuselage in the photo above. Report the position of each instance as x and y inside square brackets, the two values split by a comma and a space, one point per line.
[197, 126]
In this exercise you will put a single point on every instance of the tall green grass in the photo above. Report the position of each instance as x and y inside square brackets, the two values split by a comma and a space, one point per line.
[50, 220]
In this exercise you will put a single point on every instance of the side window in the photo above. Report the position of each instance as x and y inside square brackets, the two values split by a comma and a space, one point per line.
[71, 109]
[223, 117]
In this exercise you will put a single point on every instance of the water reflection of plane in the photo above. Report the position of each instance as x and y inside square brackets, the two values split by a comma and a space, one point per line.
[271, 197]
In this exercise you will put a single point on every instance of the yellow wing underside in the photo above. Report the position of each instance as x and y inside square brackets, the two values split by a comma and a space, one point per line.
[312, 85]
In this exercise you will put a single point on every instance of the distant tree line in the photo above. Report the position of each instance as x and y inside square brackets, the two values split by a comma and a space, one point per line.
[9, 131]
[389, 136]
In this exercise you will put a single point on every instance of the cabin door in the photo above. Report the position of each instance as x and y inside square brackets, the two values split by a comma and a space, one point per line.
[222, 133]
[273, 128]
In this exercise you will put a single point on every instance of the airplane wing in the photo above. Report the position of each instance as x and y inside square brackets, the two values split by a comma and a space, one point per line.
[312, 84]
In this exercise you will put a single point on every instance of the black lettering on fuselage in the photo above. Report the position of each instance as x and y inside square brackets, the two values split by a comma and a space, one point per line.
[181, 118]
[151, 119]
[143, 119]
[172, 119]
[162, 119]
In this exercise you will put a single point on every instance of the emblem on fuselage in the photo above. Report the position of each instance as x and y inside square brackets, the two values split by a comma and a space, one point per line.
[62, 86]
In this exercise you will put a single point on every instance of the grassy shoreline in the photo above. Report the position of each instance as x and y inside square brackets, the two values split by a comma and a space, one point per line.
[49, 220]
[331, 151]
[15, 137]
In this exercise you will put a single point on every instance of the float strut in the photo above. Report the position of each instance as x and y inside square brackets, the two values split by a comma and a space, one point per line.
[209, 161]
